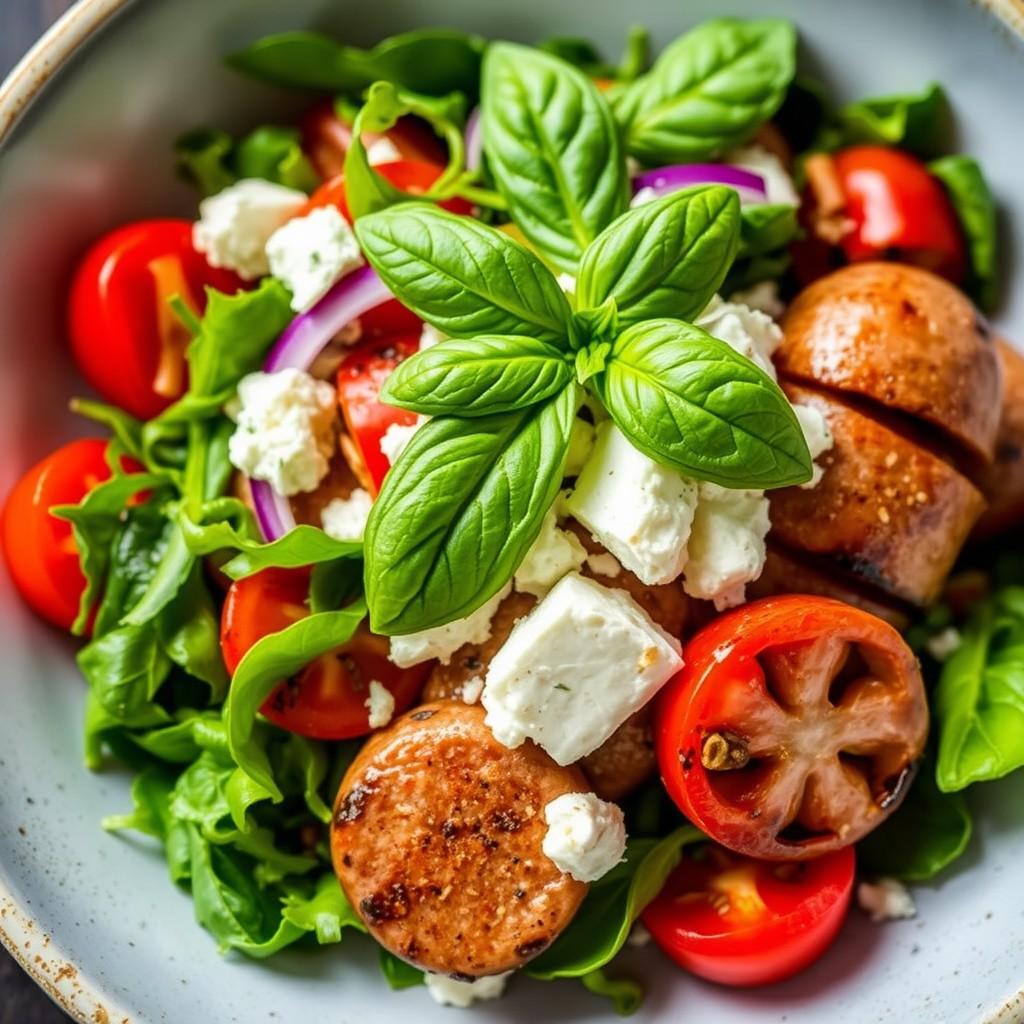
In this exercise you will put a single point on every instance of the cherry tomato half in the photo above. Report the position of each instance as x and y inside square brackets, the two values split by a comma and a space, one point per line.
[127, 340]
[793, 728]
[326, 700]
[326, 139]
[40, 548]
[740, 921]
[898, 211]
[367, 419]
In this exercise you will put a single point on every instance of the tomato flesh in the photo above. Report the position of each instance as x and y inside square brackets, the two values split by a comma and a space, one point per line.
[739, 921]
[793, 728]
[327, 699]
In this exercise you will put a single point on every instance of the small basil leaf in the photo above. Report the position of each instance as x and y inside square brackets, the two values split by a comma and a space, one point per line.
[463, 277]
[911, 121]
[666, 258]
[597, 324]
[972, 199]
[459, 510]
[708, 91]
[553, 148]
[478, 377]
[690, 401]
[766, 228]
[592, 360]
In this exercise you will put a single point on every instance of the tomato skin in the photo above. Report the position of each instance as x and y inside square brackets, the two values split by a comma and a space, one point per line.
[326, 700]
[367, 419]
[113, 318]
[40, 548]
[739, 921]
[899, 211]
[792, 746]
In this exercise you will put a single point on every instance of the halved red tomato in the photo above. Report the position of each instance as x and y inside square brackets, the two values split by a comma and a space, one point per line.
[740, 921]
[327, 699]
[794, 727]
[126, 339]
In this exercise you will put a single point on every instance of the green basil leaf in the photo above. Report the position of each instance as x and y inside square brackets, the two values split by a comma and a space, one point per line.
[326, 912]
[708, 91]
[397, 973]
[690, 401]
[490, 374]
[912, 121]
[432, 61]
[601, 925]
[459, 510]
[975, 206]
[583, 54]
[267, 663]
[666, 258]
[766, 228]
[462, 276]
[553, 149]
[625, 994]
[747, 272]
[979, 702]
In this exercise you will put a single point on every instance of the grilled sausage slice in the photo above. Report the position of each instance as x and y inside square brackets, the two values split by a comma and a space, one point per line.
[903, 339]
[625, 760]
[886, 510]
[436, 840]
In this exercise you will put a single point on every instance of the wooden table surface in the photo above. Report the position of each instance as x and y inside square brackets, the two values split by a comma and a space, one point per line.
[22, 22]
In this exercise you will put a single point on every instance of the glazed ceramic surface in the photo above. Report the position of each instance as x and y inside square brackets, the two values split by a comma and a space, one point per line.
[94, 916]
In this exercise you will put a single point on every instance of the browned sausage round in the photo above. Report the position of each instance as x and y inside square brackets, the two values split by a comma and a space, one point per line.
[886, 510]
[436, 840]
[340, 482]
[902, 338]
[1003, 481]
[625, 760]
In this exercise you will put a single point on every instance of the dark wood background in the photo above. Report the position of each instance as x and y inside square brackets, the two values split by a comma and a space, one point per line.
[22, 22]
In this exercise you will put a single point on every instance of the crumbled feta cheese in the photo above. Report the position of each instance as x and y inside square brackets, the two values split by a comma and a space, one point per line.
[285, 432]
[345, 518]
[449, 992]
[604, 564]
[818, 437]
[442, 642]
[235, 224]
[581, 444]
[586, 835]
[885, 900]
[382, 151]
[943, 644]
[431, 336]
[381, 705]
[639, 936]
[575, 668]
[471, 689]
[763, 296]
[554, 553]
[640, 511]
[396, 438]
[751, 333]
[309, 254]
[726, 549]
[778, 183]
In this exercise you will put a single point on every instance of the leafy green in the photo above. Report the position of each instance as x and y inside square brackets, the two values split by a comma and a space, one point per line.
[979, 702]
[397, 973]
[913, 121]
[431, 61]
[625, 994]
[325, 913]
[553, 149]
[766, 228]
[460, 509]
[975, 206]
[708, 91]
[690, 401]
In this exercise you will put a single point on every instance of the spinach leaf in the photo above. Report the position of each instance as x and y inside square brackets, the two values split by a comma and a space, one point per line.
[151, 797]
[431, 61]
[912, 121]
[708, 91]
[601, 926]
[326, 912]
[979, 702]
[397, 973]
[125, 668]
[626, 995]
[175, 742]
[690, 401]
[490, 374]
[975, 206]
[463, 277]
[553, 149]
[666, 258]
[460, 509]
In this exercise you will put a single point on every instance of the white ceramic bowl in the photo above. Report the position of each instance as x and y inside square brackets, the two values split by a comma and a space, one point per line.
[85, 129]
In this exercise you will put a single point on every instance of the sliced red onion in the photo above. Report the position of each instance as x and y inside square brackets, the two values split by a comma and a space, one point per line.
[663, 180]
[474, 140]
[300, 343]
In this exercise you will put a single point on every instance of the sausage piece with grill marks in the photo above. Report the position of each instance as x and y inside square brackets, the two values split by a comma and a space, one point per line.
[436, 840]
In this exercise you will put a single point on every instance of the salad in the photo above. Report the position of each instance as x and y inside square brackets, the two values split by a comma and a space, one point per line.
[540, 503]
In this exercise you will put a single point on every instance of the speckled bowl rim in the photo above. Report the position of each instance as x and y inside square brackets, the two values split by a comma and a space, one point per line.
[43, 960]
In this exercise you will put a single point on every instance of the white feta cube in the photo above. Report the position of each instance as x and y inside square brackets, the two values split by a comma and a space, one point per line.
[345, 518]
[382, 151]
[885, 900]
[575, 668]
[637, 509]
[450, 992]
[396, 438]
[431, 336]
[586, 835]
[762, 297]
[554, 553]
[818, 437]
[778, 181]
[748, 331]
[309, 254]
[604, 564]
[380, 704]
[235, 224]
